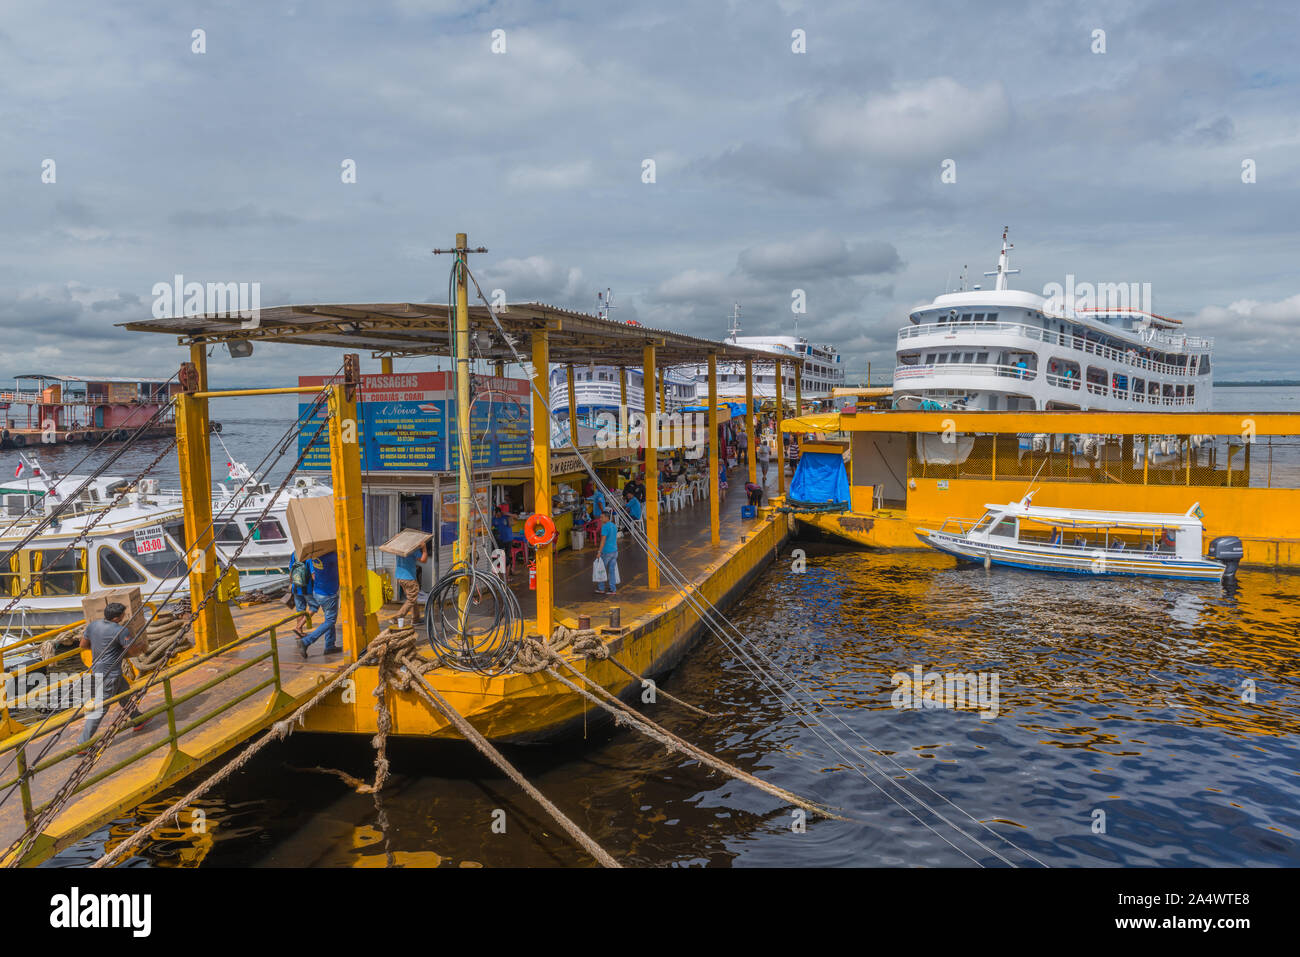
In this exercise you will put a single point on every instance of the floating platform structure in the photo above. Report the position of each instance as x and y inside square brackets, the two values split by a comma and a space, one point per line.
[66, 409]
[244, 672]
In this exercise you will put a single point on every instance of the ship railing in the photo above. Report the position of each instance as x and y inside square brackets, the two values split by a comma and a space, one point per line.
[964, 368]
[1064, 340]
[958, 526]
[171, 705]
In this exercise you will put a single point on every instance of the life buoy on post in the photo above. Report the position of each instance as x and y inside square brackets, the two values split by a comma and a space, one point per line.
[543, 536]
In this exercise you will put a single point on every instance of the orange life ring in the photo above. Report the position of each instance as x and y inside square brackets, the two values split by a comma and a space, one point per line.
[545, 536]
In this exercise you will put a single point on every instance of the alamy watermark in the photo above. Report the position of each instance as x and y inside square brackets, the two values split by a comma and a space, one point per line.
[35, 689]
[181, 298]
[1074, 297]
[633, 429]
[953, 691]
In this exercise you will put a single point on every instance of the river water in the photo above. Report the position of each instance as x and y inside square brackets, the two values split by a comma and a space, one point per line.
[1137, 723]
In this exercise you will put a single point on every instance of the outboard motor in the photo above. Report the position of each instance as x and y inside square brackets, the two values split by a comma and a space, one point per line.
[1227, 549]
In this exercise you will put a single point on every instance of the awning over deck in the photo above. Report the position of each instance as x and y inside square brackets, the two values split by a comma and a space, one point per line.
[418, 329]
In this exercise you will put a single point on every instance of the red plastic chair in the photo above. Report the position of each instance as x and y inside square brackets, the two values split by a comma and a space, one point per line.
[518, 551]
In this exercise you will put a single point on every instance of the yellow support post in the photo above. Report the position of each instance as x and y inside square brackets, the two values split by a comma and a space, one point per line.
[355, 627]
[386, 365]
[622, 391]
[542, 480]
[213, 626]
[798, 401]
[464, 441]
[651, 468]
[663, 392]
[715, 460]
[780, 436]
[499, 369]
[750, 436]
[573, 409]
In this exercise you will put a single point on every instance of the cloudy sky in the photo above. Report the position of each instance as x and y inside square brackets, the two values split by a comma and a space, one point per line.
[775, 170]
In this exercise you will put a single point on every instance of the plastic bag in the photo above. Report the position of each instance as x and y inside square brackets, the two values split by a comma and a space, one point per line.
[598, 574]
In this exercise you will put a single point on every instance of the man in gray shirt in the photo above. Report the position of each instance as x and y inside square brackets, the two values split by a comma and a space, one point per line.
[109, 642]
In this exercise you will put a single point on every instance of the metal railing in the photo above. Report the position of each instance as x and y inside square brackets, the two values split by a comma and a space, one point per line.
[964, 368]
[1079, 344]
[18, 742]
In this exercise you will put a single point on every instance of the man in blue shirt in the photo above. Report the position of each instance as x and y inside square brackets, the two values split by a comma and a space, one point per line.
[634, 506]
[325, 588]
[608, 554]
[409, 612]
[300, 587]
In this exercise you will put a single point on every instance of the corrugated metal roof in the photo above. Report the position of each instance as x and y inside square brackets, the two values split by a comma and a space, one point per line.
[413, 329]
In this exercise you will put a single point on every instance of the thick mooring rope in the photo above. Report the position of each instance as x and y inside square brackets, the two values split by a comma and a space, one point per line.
[626, 715]
[534, 656]
[416, 681]
[278, 732]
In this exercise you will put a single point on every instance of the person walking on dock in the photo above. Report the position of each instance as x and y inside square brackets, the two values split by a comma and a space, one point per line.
[109, 641]
[608, 554]
[409, 612]
[764, 456]
[300, 587]
[325, 588]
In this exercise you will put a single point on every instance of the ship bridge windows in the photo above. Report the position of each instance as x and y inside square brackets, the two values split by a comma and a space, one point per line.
[1005, 528]
[268, 531]
[115, 570]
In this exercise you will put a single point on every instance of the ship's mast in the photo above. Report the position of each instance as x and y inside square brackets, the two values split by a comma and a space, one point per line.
[605, 302]
[735, 322]
[1003, 271]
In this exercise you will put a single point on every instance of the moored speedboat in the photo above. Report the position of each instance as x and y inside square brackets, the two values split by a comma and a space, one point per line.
[1088, 542]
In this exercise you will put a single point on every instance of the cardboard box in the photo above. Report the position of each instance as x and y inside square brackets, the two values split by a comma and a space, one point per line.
[404, 542]
[311, 525]
[136, 617]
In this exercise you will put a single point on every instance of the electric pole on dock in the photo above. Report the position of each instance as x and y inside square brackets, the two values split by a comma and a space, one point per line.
[462, 551]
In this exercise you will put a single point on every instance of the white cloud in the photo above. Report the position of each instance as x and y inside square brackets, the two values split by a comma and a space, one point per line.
[930, 120]
[563, 176]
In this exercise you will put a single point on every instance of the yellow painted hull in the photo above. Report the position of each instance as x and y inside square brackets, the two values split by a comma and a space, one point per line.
[519, 708]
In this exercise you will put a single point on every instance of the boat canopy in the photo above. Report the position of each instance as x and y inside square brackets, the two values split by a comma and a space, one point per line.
[1087, 518]
[820, 480]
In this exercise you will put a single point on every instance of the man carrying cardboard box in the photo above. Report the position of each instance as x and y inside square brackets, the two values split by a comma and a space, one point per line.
[325, 587]
[109, 641]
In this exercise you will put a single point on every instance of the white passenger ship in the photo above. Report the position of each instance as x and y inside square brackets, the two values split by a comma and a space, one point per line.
[823, 368]
[597, 389]
[1006, 349]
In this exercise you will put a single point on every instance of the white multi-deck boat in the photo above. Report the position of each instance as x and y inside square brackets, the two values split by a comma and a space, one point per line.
[136, 542]
[823, 368]
[1004, 349]
[1088, 542]
[598, 389]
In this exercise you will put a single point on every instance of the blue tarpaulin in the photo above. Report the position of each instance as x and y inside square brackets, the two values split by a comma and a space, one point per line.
[820, 480]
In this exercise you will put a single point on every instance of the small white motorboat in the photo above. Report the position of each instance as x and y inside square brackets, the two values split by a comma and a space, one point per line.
[1087, 542]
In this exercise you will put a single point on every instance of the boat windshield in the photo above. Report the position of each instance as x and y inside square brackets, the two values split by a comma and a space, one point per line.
[984, 523]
